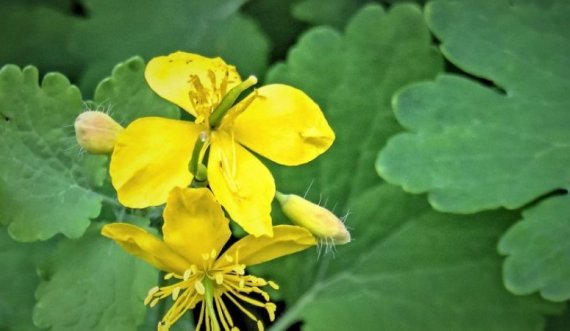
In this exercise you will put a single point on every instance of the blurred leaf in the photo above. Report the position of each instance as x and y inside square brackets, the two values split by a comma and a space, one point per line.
[538, 251]
[36, 32]
[327, 12]
[19, 278]
[45, 184]
[559, 323]
[115, 30]
[473, 147]
[127, 96]
[91, 284]
[276, 20]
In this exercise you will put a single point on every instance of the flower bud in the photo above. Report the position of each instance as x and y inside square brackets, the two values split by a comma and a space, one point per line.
[96, 132]
[322, 223]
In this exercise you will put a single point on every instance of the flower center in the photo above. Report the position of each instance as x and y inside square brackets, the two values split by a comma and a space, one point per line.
[211, 285]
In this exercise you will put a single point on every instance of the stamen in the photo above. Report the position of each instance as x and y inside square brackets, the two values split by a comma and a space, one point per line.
[220, 314]
[199, 287]
[224, 84]
[246, 298]
[153, 290]
[240, 307]
[228, 101]
[219, 278]
[154, 302]
[168, 276]
[213, 254]
[271, 308]
[187, 274]
[175, 293]
[260, 326]
[225, 311]
[273, 285]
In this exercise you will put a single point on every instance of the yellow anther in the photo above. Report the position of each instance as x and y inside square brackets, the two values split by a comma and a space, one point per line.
[175, 293]
[206, 256]
[219, 278]
[260, 326]
[154, 302]
[273, 285]
[168, 276]
[153, 290]
[187, 274]
[271, 308]
[213, 254]
[199, 287]
[229, 258]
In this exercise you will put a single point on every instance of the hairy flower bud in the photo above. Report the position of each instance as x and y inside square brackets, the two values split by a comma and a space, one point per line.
[96, 132]
[321, 222]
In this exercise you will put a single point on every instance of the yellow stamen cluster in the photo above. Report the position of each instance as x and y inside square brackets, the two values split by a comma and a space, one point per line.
[204, 99]
[229, 282]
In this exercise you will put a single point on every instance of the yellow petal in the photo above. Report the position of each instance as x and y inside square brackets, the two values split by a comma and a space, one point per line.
[138, 242]
[283, 124]
[242, 184]
[150, 158]
[175, 77]
[287, 239]
[194, 224]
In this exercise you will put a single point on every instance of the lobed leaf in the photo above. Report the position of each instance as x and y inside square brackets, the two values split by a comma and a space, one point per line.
[46, 185]
[473, 147]
[538, 251]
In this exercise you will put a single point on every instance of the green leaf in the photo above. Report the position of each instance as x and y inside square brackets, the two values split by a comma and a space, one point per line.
[409, 267]
[333, 12]
[45, 184]
[212, 28]
[36, 32]
[474, 147]
[538, 251]
[127, 96]
[91, 284]
[327, 12]
[19, 278]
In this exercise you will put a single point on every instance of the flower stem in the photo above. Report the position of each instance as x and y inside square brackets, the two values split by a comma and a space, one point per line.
[209, 298]
[229, 100]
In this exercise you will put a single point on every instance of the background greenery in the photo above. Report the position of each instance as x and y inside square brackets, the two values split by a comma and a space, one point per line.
[453, 139]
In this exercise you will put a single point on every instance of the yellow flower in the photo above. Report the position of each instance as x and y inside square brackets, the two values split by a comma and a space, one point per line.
[277, 121]
[195, 230]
